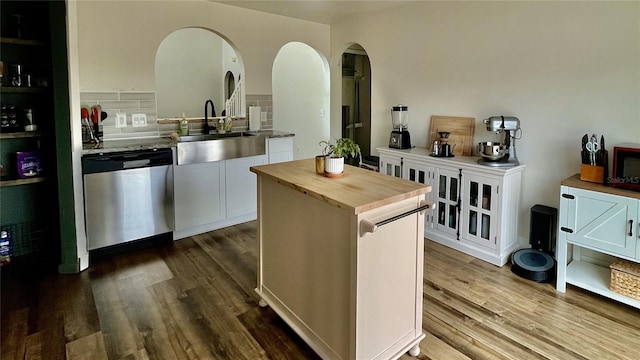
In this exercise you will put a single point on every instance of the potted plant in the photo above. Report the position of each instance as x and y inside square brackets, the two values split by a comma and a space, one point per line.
[336, 153]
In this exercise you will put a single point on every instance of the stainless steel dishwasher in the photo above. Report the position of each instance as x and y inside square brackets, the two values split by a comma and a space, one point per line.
[127, 195]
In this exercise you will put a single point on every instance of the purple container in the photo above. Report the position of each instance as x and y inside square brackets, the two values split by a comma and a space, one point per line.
[28, 164]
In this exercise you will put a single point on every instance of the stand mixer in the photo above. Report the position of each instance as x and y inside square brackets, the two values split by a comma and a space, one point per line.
[500, 154]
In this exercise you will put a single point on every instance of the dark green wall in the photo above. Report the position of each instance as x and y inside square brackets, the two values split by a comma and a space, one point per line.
[60, 77]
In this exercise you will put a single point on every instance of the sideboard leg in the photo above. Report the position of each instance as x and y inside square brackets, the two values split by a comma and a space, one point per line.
[415, 350]
[561, 258]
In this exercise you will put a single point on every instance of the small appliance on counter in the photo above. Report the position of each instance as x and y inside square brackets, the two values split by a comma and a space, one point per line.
[626, 166]
[442, 148]
[500, 154]
[400, 137]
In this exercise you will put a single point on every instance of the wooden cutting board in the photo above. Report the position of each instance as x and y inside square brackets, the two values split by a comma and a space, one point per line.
[461, 129]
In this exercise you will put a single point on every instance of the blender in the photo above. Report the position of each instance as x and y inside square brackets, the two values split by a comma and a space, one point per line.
[400, 138]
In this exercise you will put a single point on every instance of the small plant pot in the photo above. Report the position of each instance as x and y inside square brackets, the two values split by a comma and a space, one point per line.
[333, 166]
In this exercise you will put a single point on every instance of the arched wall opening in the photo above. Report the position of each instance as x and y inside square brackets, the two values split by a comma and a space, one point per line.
[184, 82]
[301, 97]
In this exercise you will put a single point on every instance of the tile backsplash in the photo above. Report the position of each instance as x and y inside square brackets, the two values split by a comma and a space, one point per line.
[266, 105]
[144, 102]
[129, 102]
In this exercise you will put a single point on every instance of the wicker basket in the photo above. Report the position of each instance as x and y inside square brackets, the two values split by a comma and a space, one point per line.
[625, 278]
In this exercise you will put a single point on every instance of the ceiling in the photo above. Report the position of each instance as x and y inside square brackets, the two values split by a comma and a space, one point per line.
[320, 11]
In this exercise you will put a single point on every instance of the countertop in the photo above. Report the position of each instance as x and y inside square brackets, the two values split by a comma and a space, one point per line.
[154, 143]
[358, 190]
[452, 161]
[575, 182]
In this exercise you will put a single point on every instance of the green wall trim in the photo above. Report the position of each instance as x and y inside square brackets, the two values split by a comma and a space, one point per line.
[69, 251]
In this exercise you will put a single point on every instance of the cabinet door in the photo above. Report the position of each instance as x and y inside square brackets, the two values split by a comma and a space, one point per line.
[241, 185]
[198, 192]
[416, 171]
[446, 198]
[600, 221]
[280, 149]
[391, 165]
[423, 174]
[479, 209]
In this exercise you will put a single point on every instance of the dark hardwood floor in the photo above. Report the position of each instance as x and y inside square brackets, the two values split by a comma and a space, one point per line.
[194, 299]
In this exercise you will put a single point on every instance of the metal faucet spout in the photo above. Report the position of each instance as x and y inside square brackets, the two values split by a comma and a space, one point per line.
[205, 127]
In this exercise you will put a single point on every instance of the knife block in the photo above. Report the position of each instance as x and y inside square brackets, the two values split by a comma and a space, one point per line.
[594, 173]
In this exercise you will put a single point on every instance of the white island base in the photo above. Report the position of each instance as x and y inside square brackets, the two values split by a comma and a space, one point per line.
[348, 293]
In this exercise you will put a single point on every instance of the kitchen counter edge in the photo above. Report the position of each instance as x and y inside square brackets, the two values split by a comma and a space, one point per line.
[359, 190]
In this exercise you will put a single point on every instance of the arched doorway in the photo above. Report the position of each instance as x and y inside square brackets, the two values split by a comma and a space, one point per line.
[356, 97]
[229, 84]
[301, 90]
[184, 83]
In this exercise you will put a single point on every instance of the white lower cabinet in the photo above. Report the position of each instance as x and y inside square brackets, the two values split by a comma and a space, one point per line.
[213, 195]
[280, 149]
[476, 205]
[241, 186]
[199, 194]
[391, 164]
[597, 224]
[423, 174]
[481, 215]
[599, 221]
[447, 192]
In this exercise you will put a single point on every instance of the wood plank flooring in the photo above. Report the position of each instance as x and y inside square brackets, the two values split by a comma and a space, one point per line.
[194, 299]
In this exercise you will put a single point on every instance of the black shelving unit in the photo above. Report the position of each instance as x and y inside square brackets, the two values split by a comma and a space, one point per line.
[28, 206]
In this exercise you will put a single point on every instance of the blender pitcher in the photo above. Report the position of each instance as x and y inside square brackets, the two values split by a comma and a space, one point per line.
[400, 117]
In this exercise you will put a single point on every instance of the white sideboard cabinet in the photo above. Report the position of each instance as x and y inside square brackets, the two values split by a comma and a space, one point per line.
[476, 205]
[603, 220]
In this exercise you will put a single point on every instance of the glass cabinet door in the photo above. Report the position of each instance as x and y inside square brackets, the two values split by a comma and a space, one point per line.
[391, 166]
[423, 174]
[480, 221]
[448, 185]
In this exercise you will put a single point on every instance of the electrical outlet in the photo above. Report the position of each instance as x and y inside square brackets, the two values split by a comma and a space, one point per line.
[121, 120]
[138, 120]
[263, 116]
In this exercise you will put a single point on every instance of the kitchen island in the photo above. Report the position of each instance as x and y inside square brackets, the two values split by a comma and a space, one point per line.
[341, 260]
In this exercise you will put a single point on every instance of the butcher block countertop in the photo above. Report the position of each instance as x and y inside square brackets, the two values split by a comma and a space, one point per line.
[575, 182]
[357, 191]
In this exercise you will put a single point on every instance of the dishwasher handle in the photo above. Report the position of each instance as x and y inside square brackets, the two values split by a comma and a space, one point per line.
[132, 164]
[97, 163]
[369, 227]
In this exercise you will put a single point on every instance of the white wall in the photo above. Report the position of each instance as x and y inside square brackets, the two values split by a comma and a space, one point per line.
[230, 61]
[117, 40]
[300, 95]
[563, 68]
